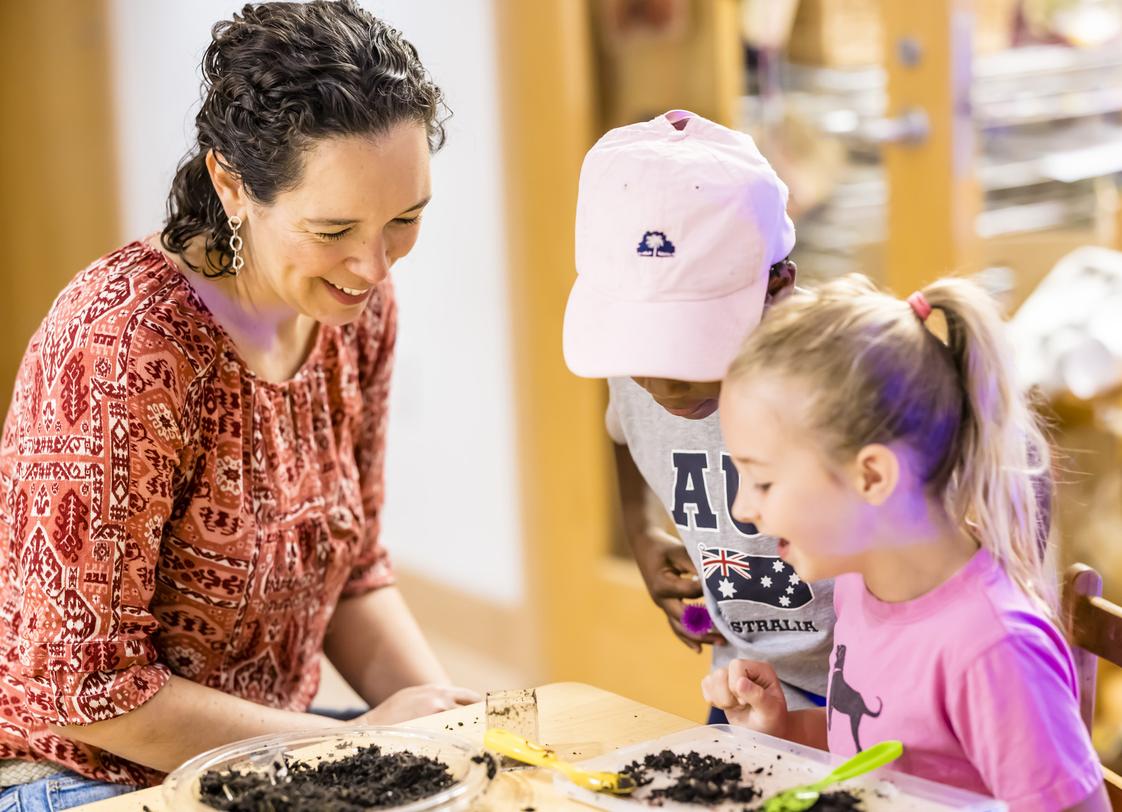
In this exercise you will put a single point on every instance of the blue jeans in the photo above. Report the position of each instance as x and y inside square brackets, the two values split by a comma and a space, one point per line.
[716, 717]
[343, 715]
[63, 791]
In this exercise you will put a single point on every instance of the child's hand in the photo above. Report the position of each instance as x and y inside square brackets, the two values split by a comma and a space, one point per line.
[750, 695]
[671, 579]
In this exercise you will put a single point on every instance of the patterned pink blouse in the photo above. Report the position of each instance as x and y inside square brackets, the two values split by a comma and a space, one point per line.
[164, 511]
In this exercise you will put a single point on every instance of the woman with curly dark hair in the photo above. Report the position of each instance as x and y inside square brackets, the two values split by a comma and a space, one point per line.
[191, 471]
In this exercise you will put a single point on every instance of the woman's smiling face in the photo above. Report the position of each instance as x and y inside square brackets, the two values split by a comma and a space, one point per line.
[320, 248]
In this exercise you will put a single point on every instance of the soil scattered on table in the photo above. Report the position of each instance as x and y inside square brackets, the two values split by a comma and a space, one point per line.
[839, 801]
[369, 779]
[708, 780]
[489, 759]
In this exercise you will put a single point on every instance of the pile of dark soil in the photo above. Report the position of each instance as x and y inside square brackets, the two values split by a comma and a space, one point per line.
[698, 779]
[709, 780]
[369, 779]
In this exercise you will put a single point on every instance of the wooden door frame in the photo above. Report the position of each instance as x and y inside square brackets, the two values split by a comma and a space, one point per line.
[591, 617]
[59, 194]
[933, 192]
[548, 118]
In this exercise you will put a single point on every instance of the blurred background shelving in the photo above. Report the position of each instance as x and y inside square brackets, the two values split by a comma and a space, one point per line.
[1047, 127]
[1050, 140]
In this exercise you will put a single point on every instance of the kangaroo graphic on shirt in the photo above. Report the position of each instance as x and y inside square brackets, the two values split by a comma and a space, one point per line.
[846, 700]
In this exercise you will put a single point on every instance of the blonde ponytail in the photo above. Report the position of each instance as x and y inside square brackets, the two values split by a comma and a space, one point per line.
[1001, 451]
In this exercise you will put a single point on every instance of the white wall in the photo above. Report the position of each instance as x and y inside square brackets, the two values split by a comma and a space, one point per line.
[452, 499]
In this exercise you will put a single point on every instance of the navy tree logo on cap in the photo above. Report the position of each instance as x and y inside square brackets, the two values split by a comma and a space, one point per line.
[655, 244]
[764, 579]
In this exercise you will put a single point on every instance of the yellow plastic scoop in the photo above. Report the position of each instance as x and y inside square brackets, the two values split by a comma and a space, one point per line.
[513, 746]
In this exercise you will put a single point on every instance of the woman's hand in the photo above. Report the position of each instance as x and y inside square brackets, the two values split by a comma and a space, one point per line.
[671, 579]
[749, 693]
[418, 700]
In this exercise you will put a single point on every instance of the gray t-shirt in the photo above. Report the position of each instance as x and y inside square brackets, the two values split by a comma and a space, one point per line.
[756, 600]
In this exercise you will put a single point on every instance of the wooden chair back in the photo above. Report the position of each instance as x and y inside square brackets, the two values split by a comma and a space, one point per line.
[1093, 626]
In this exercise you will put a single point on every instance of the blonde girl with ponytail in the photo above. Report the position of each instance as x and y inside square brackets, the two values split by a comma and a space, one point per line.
[896, 454]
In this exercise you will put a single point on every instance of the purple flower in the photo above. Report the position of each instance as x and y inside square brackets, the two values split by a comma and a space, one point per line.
[696, 620]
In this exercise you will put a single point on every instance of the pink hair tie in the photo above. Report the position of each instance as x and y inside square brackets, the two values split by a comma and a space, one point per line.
[920, 305]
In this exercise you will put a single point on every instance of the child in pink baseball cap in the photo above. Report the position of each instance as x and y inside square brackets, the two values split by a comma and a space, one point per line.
[682, 241]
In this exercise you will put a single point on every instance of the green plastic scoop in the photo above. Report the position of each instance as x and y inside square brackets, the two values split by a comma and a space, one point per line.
[802, 798]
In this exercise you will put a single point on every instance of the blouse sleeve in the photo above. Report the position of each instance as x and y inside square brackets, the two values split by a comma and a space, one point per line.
[371, 568]
[90, 475]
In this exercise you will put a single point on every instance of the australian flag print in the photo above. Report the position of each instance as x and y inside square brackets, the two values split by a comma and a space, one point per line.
[765, 579]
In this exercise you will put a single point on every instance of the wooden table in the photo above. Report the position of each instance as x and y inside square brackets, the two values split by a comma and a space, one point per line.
[577, 720]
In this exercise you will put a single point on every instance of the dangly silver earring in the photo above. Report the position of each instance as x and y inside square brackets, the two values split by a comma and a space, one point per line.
[235, 223]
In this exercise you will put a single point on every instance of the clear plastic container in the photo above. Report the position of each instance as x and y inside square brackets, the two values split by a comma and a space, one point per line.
[262, 754]
[788, 765]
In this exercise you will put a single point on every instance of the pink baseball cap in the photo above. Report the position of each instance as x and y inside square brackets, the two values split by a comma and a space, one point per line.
[676, 230]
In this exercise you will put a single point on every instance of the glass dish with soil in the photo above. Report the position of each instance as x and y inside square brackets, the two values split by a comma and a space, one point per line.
[338, 770]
